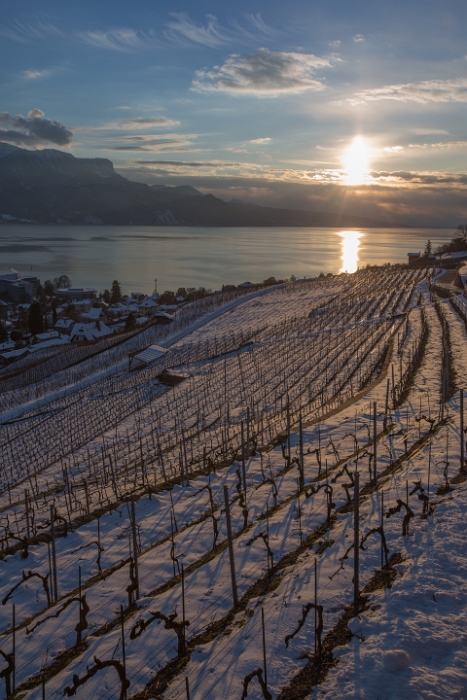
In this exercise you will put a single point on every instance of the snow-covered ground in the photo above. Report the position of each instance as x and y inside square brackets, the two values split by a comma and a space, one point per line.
[322, 351]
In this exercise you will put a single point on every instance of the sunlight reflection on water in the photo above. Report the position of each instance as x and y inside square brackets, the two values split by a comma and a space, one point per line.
[350, 246]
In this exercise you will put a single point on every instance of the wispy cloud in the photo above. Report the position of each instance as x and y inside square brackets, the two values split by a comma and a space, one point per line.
[144, 122]
[119, 39]
[264, 139]
[131, 124]
[424, 92]
[440, 145]
[35, 74]
[188, 164]
[33, 131]
[264, 73]
[358, 38]
[420, 178]
[25, 32]
[182, 30]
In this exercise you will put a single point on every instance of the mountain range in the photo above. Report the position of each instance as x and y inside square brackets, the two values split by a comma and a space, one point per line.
[52, 187]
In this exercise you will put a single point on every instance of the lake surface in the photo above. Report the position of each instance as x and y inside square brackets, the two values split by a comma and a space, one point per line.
[93, 256]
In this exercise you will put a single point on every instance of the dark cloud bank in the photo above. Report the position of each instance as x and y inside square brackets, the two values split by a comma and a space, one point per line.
[33, 131]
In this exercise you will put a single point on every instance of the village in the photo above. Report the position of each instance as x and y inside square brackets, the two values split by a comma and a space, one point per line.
[36, 319]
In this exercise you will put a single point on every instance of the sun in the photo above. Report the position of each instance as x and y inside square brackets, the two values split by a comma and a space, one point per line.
[356, 161]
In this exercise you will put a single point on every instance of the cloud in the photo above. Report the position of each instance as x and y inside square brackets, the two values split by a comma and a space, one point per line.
[143, 122]
[440, 144]
[188, 164]
[33, 130]
[420, 178]
[183, 29]
[265, 139]
[424, 92]
[152, 147]
[34, 74]
[26, 32]
[131, 124]
[264, 73]
[118, 39]
[358, 38]
[424, 131]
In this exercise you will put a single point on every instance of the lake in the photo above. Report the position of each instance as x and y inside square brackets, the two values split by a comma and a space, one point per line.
[196, 256]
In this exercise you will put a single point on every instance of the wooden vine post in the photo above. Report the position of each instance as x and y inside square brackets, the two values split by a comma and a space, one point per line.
[356, 541]
[264, 649]
[54, 554]
[375, 448]
[231, 552]
[302, 461]
[462, 427]
[122, 625]
[135, 548]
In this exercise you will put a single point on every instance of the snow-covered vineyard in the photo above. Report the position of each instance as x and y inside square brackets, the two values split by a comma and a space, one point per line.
[193, 528]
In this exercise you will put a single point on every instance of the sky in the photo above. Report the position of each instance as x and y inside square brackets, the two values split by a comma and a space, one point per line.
[356, 106]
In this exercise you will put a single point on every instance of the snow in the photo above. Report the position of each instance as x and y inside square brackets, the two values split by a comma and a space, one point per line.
[407, 642]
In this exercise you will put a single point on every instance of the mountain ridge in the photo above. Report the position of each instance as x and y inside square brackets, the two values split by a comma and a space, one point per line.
[52, 187]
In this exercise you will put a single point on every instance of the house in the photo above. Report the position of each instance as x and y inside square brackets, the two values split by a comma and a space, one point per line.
[74, 294]
[148, 307]
[3, 309]
[94, 314]
[12, 355]
[49, 335]
[45, 344]
[246, 284]
[64, 325]
[90, 331]
[19, 289]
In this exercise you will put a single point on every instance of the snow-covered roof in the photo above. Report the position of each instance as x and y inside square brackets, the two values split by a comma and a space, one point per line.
[47, 336]
[90, 331]
[64, 323]
[246, 284]
[10, 345]
[163, 314]
[148, 303]
[48, 344]
[13, 354]
[93, 314]
[448, 256]
[153, 352]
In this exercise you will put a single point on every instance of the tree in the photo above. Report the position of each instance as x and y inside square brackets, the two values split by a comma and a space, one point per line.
[428, 249]
[167, 298]
[49, 288]
[3, 333]
[181, 292]
[62, 282]
[16, 336]
[35, 320]
[115, 293]
[106, 296]
[130, 322]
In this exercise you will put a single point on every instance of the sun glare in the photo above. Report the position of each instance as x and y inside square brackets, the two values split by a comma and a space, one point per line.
[356, 161]
[350, 246]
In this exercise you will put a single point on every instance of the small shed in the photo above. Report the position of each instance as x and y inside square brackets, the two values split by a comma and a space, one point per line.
[144, 357]
[163, 317]
[413, 259]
